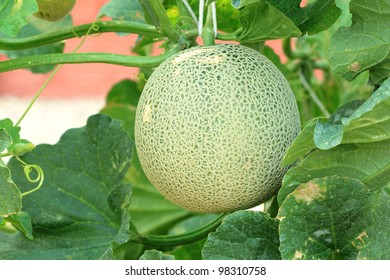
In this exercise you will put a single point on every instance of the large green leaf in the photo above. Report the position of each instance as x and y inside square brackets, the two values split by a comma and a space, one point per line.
[10, 133]
[378, 224]
[367, 162]
[121, 103]
[313, 18]
[273, 19]
[22, 222]
[150, 211]
[335, 218]
[365, 44]
[262, 21]
[356, 122]
[302, 145]
[81, 211]
[10, 198]
[244, 235]
[5, 139]
[13, 15]
[38, 26]
[368, 123]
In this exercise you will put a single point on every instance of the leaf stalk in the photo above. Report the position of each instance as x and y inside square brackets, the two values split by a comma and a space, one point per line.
[77, 58]
[164, 241]
[158, 14]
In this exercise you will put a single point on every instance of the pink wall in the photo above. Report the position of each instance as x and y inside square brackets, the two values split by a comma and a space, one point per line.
[81, 79]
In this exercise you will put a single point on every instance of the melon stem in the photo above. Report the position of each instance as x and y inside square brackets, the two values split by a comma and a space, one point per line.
[208, 32]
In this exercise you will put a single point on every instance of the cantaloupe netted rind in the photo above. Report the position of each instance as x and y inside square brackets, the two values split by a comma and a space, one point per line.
[212, 126]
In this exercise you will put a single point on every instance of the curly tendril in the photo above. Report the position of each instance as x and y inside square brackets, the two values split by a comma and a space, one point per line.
[28, 169]
[94, 27]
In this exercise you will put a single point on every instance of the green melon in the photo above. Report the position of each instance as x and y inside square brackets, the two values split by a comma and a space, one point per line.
[212, 126]
[54, 10]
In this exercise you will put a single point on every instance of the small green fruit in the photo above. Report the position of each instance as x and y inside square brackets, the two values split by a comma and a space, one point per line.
[23, 147]
[54, 10]
[212, 126]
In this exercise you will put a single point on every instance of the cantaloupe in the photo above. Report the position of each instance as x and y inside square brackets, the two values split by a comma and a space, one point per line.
[212, 126]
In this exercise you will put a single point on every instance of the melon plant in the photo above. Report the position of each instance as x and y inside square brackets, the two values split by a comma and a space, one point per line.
[172, 166]
[212, 126]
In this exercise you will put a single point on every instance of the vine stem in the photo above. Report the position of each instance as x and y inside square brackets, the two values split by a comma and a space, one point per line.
[230, 36]
[102, 27]
[209, 30]
[70, 58]
[164, 241]
[312, 94]
[72, 32]
[157, 12]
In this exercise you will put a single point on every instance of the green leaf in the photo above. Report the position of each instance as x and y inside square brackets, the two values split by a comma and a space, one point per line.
[370, 122]
[22, 221]
[10, 197]
[12, 132]
[122, 103]
[124, 92]
[81, 211]
[13, 15]
[367, 162]
[365, 45]
[38, 26]
[302, 145]
[335, 218]
[10, 139]
[244, 235]
[280, 19]
[377, 231]
[5, 139]
[129, 10]
[262, 21]
[313, 18]
[355, 122]
[155, 255]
